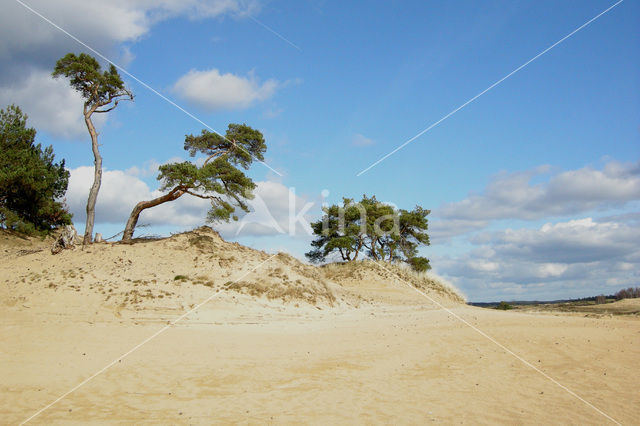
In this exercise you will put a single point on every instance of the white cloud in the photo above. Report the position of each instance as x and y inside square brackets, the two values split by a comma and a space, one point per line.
[118, 194]
[100, 23]
[89, 20]
[51, 104]
[121, 191]
[29, 46]
[361, 140]
[514, 196]
[575, 241]
[213, 91]
[576, 257]
[587, 187]
[551, 269]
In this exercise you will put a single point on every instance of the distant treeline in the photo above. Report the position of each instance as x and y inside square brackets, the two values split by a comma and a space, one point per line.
[628, 293]
[625, 293]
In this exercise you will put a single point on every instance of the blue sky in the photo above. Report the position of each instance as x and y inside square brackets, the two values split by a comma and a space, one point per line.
[534, 187]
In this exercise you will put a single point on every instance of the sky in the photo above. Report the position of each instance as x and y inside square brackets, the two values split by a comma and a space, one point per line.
[533, 186]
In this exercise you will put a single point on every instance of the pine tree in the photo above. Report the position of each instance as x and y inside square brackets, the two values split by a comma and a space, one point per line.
[219, 178]
[102, 91]
[30, 181]
[375, 229]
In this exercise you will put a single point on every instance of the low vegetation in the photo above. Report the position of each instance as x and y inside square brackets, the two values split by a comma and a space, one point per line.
[504, 306]
[368, 271]
[600, 304]
[180, 271]
[286, 291]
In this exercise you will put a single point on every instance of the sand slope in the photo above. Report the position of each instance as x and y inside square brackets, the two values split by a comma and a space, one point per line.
[292, 343]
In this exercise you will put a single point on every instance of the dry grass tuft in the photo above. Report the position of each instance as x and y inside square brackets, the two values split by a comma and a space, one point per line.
[363, 271]
[286, 291]
[204, 243]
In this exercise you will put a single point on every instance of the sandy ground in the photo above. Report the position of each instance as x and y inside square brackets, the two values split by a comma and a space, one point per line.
[377, 354]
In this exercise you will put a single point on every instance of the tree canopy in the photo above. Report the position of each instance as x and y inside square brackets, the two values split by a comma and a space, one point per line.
[219, 178]
[98, 88]
[371, 228]
[31, 183]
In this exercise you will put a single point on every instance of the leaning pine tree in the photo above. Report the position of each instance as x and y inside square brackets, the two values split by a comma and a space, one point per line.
[218, 179]
[101, 92]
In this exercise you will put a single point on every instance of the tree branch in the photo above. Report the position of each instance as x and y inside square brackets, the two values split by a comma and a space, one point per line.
[204, 197]
[108, 109]
[113, 97]
[216, 155]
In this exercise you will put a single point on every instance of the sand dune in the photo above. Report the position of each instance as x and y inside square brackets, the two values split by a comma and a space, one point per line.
[286, 343]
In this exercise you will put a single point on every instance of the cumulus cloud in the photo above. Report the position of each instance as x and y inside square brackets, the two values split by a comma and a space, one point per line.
[27, 39]
[213, 91]
[29, 46]
[579, 257]
[118, 194]
[575, 241]
[276, 209]
[51, 104]
[514, 196]
[99, 23]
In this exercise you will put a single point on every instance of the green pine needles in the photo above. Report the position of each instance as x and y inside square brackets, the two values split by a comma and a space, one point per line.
[373, 229]
[31, 183]
[219, 179]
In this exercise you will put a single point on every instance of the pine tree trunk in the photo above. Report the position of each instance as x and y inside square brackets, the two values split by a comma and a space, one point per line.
[97, 180]
[358, 248]
[142, 205]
